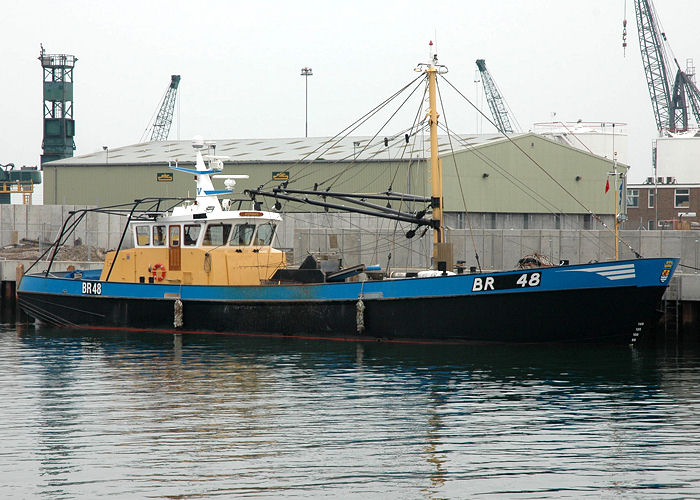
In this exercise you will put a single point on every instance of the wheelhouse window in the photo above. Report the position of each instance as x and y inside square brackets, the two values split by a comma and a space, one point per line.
[143, 236]
[216, 235]
[633, 198]
[158, 236]
[191, 234]
[174, 236]
[264, 234]
[682, 198]
[242, 234]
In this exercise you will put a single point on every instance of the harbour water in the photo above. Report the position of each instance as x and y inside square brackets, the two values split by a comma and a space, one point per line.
[162, 416]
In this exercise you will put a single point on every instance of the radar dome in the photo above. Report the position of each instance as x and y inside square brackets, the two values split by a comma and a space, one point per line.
[198, 142]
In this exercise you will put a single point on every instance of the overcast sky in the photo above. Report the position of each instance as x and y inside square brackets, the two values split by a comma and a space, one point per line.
[240, 64]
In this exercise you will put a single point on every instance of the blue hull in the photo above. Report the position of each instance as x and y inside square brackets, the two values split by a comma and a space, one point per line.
[602, 302]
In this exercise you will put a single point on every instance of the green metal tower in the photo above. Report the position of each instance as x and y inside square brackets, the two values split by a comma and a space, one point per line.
[59, 126]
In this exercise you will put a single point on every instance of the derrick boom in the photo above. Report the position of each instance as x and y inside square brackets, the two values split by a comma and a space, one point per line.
[495, 100]
[689, 93]
[655, 62]
[164, 119]
[670, 96]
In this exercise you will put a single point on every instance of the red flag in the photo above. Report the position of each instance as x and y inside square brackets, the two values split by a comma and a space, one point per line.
[607, 185]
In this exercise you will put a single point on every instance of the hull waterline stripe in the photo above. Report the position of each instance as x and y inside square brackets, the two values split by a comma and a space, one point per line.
[279, 335]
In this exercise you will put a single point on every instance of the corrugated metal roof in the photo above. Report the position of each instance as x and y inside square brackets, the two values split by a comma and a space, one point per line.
[364, 148]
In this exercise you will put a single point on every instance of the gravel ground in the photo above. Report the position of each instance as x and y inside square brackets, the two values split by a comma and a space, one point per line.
[30, 250]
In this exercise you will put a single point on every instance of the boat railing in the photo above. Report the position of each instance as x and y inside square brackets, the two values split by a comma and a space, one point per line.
[150, 208]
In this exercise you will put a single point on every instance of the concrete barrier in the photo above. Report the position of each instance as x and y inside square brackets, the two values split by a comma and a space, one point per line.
[360, 238]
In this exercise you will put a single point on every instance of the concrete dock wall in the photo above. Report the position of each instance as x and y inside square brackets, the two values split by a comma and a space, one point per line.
[43, 222]
[359, 238]
[497, 249]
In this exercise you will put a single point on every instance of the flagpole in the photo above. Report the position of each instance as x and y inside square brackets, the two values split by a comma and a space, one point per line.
[617, 240]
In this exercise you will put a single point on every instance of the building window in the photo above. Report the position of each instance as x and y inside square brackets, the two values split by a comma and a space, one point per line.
[651, 198]
[682, 198]
[633, 198]
[650, 225]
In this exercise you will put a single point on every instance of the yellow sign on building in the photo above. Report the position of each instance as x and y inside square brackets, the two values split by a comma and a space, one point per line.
[280, 176]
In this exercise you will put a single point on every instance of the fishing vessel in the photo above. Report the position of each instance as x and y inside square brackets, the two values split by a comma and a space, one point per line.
[207, 265]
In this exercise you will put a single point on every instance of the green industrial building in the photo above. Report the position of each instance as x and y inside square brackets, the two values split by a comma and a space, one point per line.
[528, 182]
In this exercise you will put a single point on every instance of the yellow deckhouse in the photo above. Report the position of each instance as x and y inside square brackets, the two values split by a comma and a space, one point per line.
[202, 242]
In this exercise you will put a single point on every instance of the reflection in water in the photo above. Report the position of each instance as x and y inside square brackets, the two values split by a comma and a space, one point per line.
[433, 445]
[140, 415]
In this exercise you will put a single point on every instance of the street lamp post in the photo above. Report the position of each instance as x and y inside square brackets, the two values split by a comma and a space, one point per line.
[306, 73]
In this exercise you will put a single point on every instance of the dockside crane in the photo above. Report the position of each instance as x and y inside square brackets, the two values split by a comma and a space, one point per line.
[496, 102]
[670, 97]
[160, 129]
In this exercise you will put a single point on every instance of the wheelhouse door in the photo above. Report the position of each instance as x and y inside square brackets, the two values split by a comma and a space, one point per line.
[174, 248]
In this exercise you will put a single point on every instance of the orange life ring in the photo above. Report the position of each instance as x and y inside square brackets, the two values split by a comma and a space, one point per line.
[158, 272]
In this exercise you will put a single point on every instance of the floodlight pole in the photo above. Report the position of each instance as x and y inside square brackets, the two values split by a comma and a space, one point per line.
[306, 73]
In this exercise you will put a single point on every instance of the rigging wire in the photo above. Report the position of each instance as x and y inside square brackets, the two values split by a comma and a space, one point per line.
[332, 142]
[517, 183]
[388, 120]
[368, 145]
[414, 131]
[417, 126]
[362, 247]
[459, 178]
[527, 191]
[550, 176]
[344, 133]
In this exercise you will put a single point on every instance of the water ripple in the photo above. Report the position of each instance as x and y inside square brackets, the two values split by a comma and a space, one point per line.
[162, 416]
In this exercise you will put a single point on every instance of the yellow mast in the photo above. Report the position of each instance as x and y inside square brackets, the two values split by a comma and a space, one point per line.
[435, 173]
[442, 251]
